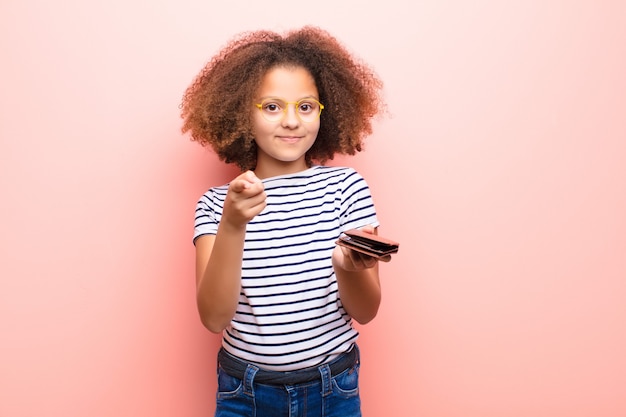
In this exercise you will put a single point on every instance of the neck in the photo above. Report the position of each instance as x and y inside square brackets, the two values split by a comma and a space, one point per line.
[284, 168]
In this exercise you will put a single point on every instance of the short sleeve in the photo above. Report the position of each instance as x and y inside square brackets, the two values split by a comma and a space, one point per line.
[357, 204]
[205, 219]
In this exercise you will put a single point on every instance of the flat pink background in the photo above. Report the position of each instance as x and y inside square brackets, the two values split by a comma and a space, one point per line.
[502, 172]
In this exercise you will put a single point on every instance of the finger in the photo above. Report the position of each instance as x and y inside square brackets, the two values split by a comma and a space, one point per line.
[385, 258]
[257, 200]
[367, 261]
[359, 261]
[369, 229]
[246, 181]
[237, 185]
[254, 189]
[251, 177]
[348, 261]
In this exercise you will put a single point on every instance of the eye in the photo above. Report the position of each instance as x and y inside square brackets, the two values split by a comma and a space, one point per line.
[272, 107]
[307, 107]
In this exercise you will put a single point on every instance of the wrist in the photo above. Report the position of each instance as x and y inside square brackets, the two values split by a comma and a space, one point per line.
[232, 228]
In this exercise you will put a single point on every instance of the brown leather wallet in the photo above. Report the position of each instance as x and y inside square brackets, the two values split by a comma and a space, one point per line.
[372, 245]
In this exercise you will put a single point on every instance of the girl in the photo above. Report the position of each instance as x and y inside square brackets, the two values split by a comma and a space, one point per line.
[269, 275]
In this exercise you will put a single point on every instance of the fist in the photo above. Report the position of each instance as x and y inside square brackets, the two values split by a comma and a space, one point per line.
[244, 200]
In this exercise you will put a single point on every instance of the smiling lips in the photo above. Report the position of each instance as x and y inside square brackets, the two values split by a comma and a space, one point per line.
[290, 139]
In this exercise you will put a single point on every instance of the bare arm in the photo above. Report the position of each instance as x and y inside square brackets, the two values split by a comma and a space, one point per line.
[219, 257]
[358, 281]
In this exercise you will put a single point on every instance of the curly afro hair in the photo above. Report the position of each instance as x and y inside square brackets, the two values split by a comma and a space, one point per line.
[350, 91]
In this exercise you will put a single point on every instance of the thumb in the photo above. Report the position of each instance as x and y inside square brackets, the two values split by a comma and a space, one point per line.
[238, 185]
[243, 181]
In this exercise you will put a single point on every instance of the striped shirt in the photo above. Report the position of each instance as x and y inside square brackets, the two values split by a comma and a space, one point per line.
[289, 314]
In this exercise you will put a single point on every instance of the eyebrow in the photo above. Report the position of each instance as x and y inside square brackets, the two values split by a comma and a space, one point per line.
[285, 100]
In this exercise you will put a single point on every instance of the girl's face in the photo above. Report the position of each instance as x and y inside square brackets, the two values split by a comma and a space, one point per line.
[288, 95]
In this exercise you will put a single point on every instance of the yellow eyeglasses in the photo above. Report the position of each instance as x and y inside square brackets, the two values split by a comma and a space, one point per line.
[274, 109]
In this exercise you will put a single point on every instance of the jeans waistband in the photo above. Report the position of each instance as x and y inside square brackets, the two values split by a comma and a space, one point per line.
[236, 368]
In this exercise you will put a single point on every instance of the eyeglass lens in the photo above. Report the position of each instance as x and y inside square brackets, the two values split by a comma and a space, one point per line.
[308, 110]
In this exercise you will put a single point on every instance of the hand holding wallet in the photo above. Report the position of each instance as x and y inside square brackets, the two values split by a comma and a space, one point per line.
[369, 244]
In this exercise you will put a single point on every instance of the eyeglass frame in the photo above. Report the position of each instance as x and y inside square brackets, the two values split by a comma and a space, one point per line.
[287, 103]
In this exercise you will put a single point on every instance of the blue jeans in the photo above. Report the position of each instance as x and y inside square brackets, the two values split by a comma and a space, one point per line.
[330, 396]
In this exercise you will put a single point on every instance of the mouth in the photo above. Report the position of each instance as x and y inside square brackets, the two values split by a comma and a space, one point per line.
[289, 139]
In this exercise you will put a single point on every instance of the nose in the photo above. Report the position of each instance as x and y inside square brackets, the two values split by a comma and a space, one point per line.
[291, 119]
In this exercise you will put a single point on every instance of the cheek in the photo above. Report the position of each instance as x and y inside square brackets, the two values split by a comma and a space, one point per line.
[315, 129]
[258, 126]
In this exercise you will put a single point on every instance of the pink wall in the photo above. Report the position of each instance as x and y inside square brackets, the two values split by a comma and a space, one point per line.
[502, 172]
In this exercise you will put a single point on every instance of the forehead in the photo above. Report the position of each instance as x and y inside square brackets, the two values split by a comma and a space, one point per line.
[291, 83]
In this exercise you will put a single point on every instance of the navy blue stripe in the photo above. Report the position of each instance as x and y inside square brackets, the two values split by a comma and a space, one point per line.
[288, 313]
[287, 323]
[287, 303]
[284, 284]
[307, 339]
[291, 352]
[280, 294]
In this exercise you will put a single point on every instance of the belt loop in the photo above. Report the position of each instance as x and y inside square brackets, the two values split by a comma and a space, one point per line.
[327, 387]
[248, 379]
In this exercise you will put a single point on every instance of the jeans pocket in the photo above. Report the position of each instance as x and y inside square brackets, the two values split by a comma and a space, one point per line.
[227, 386]
[346, 384]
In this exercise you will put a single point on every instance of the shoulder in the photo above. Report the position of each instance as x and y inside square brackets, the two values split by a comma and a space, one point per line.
[337, 171]
[343, 176]
[214, 195]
